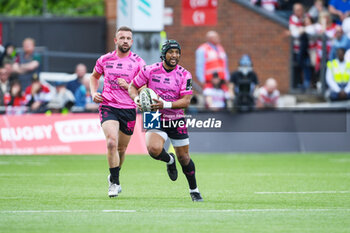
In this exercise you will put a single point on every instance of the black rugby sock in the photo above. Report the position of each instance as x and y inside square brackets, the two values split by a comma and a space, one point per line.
[163, 156]
[189, 172]
[114, 175]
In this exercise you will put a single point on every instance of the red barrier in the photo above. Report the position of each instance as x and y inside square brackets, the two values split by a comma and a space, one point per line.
[60, 134]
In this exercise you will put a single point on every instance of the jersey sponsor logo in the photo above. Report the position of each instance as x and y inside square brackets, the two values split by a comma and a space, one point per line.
[109, 66]
[165, 89]
[114, 84]
[168, 97]
[156, 80]
[166, 81]
[189, 84]
[115, 74]
[156, 76]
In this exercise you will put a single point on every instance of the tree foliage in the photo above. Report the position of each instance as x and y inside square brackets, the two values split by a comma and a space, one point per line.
[53, 7]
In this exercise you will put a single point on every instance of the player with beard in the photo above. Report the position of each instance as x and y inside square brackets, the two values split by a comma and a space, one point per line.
[173, 84]
[117, 110]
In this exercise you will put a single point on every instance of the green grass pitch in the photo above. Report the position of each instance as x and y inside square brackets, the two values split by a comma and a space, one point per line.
[242, 193]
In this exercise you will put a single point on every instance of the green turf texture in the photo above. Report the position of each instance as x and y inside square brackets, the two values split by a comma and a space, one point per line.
[69, 194]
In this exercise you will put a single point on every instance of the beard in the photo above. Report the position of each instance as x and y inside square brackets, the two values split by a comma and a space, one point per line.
[122, 49]
[171, 65]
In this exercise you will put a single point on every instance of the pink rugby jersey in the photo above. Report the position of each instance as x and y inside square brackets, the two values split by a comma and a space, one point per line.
[170, 86]
[112, 67]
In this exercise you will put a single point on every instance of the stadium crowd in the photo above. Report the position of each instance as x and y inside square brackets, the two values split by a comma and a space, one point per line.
[311, 26]
[24, 91]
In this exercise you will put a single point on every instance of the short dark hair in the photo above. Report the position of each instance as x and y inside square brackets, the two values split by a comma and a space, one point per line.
[124, 28]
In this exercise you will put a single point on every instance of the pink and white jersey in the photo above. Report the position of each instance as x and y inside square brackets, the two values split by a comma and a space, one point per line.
[170, 86]
[113, 67]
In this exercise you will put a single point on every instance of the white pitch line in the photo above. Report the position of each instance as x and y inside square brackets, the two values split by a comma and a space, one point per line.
[258, 210]
[174, 211]
[64, 211]
[43, 211]
[307, 192]
[123, 211]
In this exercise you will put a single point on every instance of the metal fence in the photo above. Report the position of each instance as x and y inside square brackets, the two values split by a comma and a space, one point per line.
[62, 42]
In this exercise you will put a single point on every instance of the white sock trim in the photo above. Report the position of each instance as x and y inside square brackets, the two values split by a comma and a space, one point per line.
[171, 160]
[194, 190]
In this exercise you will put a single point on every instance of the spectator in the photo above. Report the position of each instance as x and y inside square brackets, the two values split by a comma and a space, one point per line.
[14, 100]
[316, 9]
[215, 94]
[83, 97]
[328, 28]
[268, 94]
[13, 75]
[338, 77]
[9, 55]
[80, 72]
[28, 63]
[62, 100]
[243, 83]
[312, 36]
[302, 72]
[2, 49]
[15, 97]
[4, 85]
[37, 96]
[340, 41]
[269, 5]
[346, 27]
[211, 58]
[340, 9]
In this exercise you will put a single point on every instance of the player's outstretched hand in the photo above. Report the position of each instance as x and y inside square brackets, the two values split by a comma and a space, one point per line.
[158, 104]
[97, 97]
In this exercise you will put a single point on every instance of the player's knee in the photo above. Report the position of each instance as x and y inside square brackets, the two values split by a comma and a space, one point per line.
[111, 143]
[154, 151]
[184, 159]
[121, 149]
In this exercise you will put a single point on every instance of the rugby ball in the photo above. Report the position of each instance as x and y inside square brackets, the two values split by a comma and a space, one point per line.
[146, 99]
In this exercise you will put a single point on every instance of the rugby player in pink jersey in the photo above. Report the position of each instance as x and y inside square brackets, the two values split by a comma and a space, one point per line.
[173, 84]
[117, 110]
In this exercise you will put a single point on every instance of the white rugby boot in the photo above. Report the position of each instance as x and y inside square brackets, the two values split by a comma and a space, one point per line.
[113, 189]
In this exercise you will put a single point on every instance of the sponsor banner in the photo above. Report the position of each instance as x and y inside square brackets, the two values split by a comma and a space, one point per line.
[199, 12]
[141, 15]
[59, 134]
